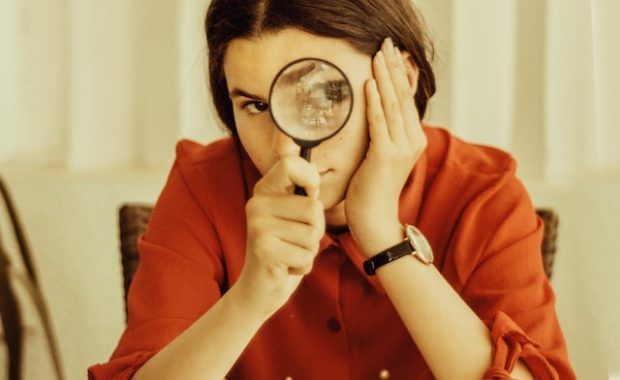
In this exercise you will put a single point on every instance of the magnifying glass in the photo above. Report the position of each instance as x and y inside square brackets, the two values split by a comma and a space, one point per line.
[310, 101]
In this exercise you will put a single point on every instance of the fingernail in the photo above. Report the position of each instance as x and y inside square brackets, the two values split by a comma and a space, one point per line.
[384, 44]
[390, 45]
[380, 58]
[373, 86]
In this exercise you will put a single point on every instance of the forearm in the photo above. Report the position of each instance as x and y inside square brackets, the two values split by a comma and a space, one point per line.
[209, 347]
[454, 342]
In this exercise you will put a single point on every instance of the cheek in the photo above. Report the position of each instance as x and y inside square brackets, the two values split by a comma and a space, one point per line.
[355, 143]
[254, 141]
[353, 139]
[345, 151]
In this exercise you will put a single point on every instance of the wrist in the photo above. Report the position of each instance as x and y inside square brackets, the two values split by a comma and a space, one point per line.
[238, 303]
[379, 237]
[243, 299]
[415, 244]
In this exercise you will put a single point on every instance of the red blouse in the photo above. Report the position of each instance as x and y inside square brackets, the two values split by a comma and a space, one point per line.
[339, 323]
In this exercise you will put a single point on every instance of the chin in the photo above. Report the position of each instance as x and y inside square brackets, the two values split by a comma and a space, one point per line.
[331, 198]
[333, 191]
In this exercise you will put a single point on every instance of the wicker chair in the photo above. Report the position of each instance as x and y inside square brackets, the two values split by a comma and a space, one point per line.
[134, 218]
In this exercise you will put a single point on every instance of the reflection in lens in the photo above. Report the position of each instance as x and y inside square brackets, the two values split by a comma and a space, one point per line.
[311, 100]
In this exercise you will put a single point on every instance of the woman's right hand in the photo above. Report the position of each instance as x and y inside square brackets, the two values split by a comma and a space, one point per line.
[283, 234]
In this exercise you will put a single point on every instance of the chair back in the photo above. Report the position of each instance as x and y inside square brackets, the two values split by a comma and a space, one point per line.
[550, 238]
[133, 220]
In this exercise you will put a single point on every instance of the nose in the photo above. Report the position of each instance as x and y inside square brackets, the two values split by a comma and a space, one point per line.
[283, 145]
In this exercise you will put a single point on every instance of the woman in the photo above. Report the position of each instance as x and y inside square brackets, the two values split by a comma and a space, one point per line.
[240, 278]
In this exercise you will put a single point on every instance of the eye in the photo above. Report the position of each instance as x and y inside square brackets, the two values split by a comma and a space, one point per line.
[336, 91]
[255, 107]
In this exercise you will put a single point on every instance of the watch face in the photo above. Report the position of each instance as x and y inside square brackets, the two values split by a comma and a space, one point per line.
[419, 242]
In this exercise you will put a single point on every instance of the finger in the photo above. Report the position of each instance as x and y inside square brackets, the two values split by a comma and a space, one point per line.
[292, 208]
[394, 66]
[288, 172]
[389, 100]
[297, 260]
[377, 125]
[406, 93]
[302, 235]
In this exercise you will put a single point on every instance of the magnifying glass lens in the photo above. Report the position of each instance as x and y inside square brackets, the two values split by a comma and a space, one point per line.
[311, 100]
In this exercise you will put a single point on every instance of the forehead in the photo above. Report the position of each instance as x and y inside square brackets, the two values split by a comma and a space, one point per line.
[252, 64]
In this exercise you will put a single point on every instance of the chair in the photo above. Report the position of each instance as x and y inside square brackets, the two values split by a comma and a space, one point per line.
[134, 218]
[10, 313]
[550, 238]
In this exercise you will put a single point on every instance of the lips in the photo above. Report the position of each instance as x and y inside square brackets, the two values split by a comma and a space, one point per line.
[324, 171]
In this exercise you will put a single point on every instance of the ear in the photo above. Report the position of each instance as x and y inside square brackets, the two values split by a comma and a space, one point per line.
[412, 71]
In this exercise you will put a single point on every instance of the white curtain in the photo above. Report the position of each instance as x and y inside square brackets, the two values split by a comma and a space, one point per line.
[90, 85]
[539, 78]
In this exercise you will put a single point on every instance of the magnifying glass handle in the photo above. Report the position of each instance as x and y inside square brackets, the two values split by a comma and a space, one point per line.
[304, 153]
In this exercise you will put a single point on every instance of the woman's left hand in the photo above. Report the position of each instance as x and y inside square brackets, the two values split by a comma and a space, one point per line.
[396, 142]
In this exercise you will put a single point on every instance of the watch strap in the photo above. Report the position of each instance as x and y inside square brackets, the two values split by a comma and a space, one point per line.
[395, 252]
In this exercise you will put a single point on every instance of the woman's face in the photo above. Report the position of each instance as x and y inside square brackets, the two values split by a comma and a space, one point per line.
[250, 65]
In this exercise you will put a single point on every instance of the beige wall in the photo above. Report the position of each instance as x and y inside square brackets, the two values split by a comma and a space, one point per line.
[71, 223]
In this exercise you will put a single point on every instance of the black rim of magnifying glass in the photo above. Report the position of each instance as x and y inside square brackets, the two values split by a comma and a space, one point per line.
[308, 143]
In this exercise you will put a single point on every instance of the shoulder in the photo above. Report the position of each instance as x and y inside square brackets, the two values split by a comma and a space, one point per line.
[474, 176]
[192, 152]
[211, 170]
[212, 167]
[476, 190]
[204, 190]
[191, 177]
[474, 187]
[445, 149]
[471, 174]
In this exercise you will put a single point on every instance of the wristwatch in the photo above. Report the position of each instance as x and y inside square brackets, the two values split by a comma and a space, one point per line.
[415, 244]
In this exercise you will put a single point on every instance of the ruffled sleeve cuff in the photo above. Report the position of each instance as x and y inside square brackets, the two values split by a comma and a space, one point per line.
[122, 368]
[510, 344]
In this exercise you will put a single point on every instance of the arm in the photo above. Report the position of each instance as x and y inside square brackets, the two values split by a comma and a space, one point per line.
[273, 269]
[455, 343]
[220, 335]
[180, 325]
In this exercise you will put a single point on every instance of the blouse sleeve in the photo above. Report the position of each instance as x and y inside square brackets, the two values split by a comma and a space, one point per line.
[507, 286]
[178, 278]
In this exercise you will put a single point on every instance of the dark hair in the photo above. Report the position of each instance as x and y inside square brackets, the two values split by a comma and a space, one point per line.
[363, 23]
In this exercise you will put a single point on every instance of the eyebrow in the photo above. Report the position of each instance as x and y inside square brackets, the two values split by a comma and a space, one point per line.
[239, 92]
[288, 78]
[294, 76]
